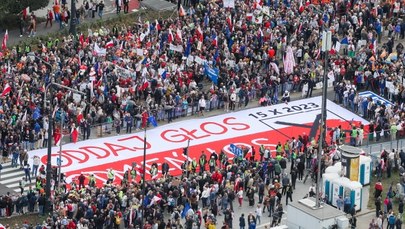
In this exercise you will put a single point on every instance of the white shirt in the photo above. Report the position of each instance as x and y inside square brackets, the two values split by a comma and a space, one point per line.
[202, 102]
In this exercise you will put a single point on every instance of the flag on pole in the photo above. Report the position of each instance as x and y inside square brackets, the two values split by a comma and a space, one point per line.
[5, 39]
[109, 44]
[6, 90]
[182, 12]
[229, 21]
[188, 49]
[214, 40]
[200, 34]
[158, 27]
[212, 73]
[26, 12]
[164, 74]
[179, 36]
[170, 36]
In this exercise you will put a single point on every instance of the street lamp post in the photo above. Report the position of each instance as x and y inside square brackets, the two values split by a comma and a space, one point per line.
[143, 188]
[326, 47]
[73, 21]
[49, 149]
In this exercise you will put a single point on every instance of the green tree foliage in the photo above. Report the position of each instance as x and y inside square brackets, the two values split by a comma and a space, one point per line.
[9, 9]
[16, 6]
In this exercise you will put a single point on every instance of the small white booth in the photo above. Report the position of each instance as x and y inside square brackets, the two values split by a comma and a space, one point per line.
[365, 170]
[336, 168]
[356, 194]
[338, 188]
[327, 179]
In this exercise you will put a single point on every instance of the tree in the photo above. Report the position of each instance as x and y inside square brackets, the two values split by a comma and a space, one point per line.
[9, 9]
[16, 6]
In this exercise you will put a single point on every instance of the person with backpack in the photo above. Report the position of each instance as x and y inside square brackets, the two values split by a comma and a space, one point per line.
[391, 220]
[242, 221]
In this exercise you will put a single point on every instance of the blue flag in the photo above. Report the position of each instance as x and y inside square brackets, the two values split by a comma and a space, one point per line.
[152, 120]
[227, 32]
[188, 49]
[230, 43]
[36, 114]
[214, 58]
[164, 75]
[212, 73]
[145, 60]
[206, 20]
[344, 41]
[96, 67]
[185, 210]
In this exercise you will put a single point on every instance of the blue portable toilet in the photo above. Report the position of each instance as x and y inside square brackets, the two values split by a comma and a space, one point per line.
[365, 170]
[327, 179]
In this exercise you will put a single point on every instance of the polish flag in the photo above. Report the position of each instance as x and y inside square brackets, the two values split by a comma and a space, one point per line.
[199, 34]
[182, 12]
[179, 36]
[5, 39]
[75, 134]
[301, 7]
[25, 12]
[158, 27]
[229, 21]
[170, 36]
[109, 44]
[6, 90]
[81, 39]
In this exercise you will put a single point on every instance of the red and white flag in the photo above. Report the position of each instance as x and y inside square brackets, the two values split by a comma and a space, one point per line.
[75, 134]
[200, 34]
[26, 12]
[179, 36]
[170, 36]
[6, 90]
[158, 27]
[5, 39]
[109, 44]
[229, 21]
[182, 12]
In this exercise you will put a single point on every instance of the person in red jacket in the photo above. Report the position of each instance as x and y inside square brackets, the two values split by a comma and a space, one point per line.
[49, 18]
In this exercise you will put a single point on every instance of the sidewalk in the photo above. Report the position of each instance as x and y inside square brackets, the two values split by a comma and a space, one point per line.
[109, 12]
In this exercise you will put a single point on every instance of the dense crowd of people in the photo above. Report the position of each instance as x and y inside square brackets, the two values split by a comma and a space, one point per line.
[253, 50]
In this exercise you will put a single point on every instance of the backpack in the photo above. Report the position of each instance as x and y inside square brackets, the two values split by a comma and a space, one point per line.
[117, 220]
[391, 220]
[176, 215]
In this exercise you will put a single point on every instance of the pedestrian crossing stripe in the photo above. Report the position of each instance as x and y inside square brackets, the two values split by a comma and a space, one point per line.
[10, 177]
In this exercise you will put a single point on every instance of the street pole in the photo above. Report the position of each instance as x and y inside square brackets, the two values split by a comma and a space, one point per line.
[72, 28]
[60, 150]
[49, 153]
[143, 178]
[326, 47]
[49, 149]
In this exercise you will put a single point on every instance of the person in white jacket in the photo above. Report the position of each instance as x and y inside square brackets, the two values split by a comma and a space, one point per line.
[202, 103]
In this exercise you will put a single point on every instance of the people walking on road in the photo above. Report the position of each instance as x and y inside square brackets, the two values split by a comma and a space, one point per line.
[49, 18]
[101, 9]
